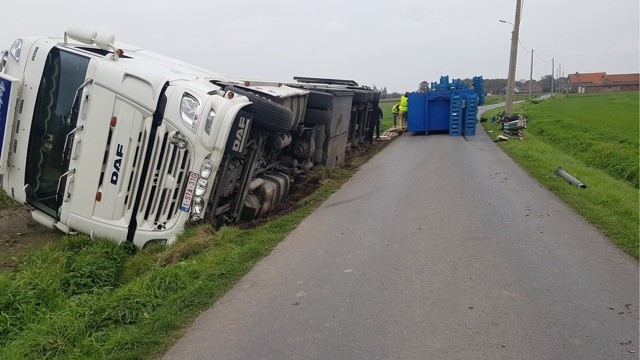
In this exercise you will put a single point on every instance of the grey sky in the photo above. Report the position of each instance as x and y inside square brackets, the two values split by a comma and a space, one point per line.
[395, 44]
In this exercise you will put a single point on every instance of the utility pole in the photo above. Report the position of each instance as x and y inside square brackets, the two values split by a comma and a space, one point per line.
[513, 58]
[531, 75]
[559, 90]
[553, 69]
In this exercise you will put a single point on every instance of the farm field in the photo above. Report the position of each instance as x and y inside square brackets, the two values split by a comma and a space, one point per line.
[595, 138]
[387, 119]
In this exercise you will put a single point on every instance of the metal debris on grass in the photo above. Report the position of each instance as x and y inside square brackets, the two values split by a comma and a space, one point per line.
[512, 125]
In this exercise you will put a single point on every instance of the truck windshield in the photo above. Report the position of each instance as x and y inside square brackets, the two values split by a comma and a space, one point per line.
[53, 119]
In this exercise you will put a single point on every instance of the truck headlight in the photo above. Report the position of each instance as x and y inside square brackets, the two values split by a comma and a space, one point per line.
[209, 122]
[198, 205]
[189, 110]
[16, 48]
[197, 208]
[201, 188]
[205, 169]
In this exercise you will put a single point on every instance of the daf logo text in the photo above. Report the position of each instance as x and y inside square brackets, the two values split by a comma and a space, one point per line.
[240, 135]
[117, 164]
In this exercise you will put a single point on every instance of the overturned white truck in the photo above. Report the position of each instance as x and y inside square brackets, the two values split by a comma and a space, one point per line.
[118, 142]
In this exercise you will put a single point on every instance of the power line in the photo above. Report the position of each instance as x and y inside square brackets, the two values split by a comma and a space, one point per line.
[542, 58]
[523, 48]
[522, 45]
[529, 51]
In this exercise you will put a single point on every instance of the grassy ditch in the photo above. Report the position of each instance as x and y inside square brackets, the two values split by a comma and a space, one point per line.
[5, 200]
[84, 299]
[595, 138]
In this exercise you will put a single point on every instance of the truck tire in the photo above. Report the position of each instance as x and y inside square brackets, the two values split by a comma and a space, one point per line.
[266, 114]
[314, 116]
[320, 100]
[360, 96]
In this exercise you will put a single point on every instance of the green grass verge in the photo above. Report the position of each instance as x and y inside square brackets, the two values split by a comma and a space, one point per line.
[599, 129]
[576, 132]
[5, 200]
[84, 299]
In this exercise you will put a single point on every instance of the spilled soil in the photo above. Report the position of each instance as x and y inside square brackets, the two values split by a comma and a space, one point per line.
[19, 234]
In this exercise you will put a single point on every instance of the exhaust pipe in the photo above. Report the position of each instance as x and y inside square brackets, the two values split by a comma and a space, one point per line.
[570, 179]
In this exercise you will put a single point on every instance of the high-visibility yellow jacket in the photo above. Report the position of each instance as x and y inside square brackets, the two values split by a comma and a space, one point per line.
[396, 109]
[404, 103]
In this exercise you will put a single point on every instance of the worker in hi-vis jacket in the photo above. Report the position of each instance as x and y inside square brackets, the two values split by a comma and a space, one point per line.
[404, 107]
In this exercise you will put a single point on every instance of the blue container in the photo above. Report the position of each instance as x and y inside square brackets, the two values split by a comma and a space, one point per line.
[438, 109]
[450, 106]
[417, 114]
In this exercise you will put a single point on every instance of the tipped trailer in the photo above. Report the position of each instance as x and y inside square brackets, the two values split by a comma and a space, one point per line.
[353, 111]
[122, 143]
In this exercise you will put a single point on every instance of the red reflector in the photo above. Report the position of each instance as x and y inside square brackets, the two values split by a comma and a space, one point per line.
[279, 84]
[230, 94]
[246, 83]
[98, 196]
[120, 52]
[114, 121]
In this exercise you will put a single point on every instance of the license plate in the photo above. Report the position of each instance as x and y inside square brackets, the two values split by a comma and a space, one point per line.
[192, 180]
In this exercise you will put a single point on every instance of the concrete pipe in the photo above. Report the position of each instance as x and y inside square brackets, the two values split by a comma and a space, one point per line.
[570, 179]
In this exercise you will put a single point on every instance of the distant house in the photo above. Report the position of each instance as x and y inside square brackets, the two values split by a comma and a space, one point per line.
[536, 88]
[577, 80]
[601, 82]
[619, 82]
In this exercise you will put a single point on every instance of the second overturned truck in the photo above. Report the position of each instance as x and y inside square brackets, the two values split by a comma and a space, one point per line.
[122, 143]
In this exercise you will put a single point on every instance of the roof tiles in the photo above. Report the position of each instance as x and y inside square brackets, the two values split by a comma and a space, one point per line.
[595, 78]
[621, 78]
[603, 78]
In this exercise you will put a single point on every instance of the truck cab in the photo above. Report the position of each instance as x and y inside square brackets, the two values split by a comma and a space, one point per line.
[118, 142]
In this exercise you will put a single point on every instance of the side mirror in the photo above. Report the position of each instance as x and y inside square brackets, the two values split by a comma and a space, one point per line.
[4, 55]
[85, 36]
[105, 41]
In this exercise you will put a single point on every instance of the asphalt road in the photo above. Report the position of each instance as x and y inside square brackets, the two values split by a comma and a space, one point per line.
[438, 248]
